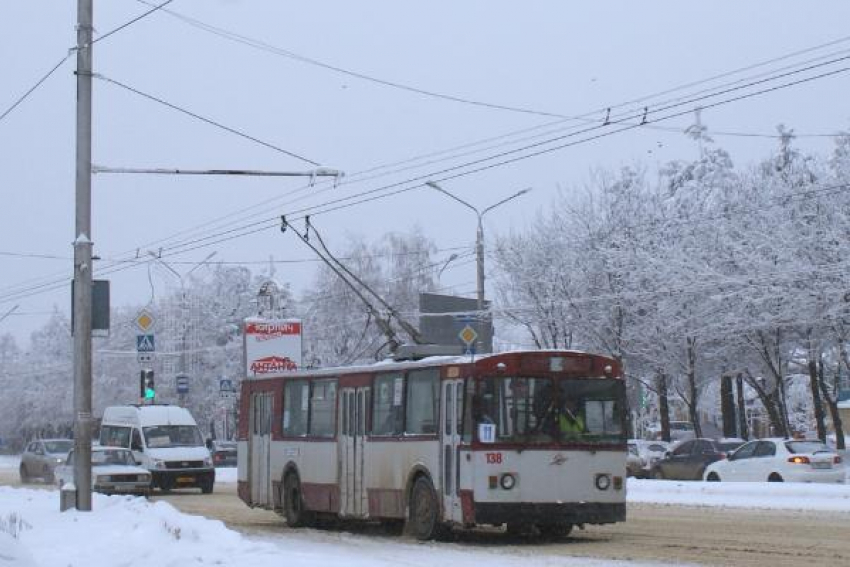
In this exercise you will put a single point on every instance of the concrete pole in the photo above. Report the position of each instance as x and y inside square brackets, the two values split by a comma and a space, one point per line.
[83, 261]
[479, 253]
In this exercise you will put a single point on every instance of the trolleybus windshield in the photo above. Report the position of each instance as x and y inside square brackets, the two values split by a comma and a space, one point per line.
[546, 410]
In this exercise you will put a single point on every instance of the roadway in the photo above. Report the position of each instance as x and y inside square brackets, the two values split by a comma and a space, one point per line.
[666, 534]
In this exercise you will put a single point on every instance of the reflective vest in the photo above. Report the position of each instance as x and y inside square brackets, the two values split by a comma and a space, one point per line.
[570, 424]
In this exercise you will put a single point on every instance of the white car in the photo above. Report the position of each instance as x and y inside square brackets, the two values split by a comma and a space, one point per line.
[114, 471]
[778, 460]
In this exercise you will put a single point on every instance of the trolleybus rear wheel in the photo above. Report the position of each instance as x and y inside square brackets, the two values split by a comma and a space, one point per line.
[423, 522]
[293, 503]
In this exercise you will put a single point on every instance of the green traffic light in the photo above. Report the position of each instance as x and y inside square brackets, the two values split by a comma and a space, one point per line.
[149, 393]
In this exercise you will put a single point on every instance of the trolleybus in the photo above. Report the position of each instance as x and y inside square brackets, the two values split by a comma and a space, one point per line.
[534, 440]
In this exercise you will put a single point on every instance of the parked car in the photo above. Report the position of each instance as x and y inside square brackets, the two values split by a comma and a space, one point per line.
[114, 471]
[679, 431]
[688, 459]
[223, 453]
[40, 458]
[647, 453]
[634, 464]
[778, 460]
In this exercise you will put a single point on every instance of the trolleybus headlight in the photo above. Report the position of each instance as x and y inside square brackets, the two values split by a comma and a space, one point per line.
[603, 481]
[508, 481]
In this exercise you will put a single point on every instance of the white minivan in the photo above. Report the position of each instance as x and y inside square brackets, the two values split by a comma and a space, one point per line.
[165, 440]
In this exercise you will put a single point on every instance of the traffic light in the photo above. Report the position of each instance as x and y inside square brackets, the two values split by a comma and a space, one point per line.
[147, 389]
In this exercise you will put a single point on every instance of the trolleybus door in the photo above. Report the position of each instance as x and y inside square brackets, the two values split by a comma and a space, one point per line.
[352, 418]
[452, 408]
[260, 453]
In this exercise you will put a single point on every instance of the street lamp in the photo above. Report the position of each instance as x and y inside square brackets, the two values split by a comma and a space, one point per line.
[451, 259]
[479, 238]
[183, 306]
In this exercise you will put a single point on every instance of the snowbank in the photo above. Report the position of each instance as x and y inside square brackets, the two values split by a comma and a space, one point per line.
[10, 461]
[133, 532]
[770, 495]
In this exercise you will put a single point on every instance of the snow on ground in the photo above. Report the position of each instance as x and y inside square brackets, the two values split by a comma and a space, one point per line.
[769, 495]
[10, 461]
[225, 475]
[134, 532]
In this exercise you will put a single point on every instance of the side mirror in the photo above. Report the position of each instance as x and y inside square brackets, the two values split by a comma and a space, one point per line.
[209, 444]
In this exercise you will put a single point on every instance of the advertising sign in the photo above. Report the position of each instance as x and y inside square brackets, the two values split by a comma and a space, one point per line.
[272, 346]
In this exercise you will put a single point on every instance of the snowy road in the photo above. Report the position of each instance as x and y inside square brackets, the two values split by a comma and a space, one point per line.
[655, 533]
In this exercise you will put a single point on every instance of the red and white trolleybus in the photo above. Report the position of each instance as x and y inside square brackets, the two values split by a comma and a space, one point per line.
[532, 439]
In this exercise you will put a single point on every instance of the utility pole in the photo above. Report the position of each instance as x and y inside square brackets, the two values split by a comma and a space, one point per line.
[83, 261]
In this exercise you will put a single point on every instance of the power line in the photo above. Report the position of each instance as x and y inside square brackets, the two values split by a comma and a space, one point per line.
[266, 224]
[269, 48]
[133, 21]
[34, 87]
[71, 52]
[205, 226]
[204, 119]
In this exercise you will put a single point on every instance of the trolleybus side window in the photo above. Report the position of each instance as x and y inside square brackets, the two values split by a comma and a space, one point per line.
[388, 405]
[323, 408]
[422, 398]
[295, 408]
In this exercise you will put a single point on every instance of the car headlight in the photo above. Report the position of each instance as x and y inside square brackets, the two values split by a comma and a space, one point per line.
[144, 478]
[58, 460]
[102, 478]
[158, 464]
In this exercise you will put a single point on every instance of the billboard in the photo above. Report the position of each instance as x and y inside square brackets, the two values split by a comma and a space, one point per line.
[272, 346]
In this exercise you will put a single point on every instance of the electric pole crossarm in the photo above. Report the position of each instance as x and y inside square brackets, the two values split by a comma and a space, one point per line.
[408, 328]
[318, 172]
[382, 322]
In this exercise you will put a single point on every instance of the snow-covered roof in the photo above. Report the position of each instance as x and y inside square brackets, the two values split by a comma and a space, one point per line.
[844, 405]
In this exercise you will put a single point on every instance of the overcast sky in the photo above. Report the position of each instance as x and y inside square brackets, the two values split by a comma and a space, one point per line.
[550, 57]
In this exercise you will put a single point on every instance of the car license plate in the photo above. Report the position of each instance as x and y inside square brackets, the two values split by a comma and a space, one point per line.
[185, 479]
[822, 465]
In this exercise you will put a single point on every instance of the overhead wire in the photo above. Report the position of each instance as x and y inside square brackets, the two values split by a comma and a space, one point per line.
[352, 176]
[342, 203]
[337, 204]
[71, 52]
[272, 49]
[209, 121]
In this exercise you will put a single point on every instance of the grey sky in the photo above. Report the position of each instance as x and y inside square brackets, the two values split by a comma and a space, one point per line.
[554, 56]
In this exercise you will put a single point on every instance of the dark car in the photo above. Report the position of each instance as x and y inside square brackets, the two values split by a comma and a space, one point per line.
[223, 453]
[687, 461]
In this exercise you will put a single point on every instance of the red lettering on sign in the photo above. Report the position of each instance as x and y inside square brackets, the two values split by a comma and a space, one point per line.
[494, 458]
[274, 329]
[272, 364]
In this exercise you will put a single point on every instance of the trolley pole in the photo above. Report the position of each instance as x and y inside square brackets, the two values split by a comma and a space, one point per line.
[83, 261]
